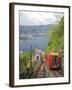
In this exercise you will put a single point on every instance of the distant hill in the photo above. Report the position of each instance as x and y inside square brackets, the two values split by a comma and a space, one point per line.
[34, 29]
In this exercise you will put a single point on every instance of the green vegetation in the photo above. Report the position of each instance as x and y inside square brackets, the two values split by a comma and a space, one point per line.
[56, 37]
[23, 60]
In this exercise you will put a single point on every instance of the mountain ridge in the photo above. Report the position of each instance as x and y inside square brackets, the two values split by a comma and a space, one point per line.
[34, 29]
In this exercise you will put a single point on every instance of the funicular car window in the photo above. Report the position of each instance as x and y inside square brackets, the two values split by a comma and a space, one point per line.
[54, 60]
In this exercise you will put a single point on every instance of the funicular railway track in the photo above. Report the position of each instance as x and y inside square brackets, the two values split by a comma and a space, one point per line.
[42, 71]
[55, 73]
[34, 72]
[38, 71]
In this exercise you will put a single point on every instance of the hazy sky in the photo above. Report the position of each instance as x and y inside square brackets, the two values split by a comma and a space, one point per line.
[38, 18]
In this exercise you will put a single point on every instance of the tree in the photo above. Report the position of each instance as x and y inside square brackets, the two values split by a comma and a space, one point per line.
[56, 36]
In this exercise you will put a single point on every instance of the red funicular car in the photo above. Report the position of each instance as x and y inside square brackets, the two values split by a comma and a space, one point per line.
[53, 60]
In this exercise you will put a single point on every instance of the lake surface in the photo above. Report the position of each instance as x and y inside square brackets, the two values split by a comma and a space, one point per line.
[36, 42]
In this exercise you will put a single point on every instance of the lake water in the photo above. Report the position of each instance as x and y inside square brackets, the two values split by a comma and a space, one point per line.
[36, 42]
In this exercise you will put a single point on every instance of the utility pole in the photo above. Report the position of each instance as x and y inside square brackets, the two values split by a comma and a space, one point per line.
[31, 59]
